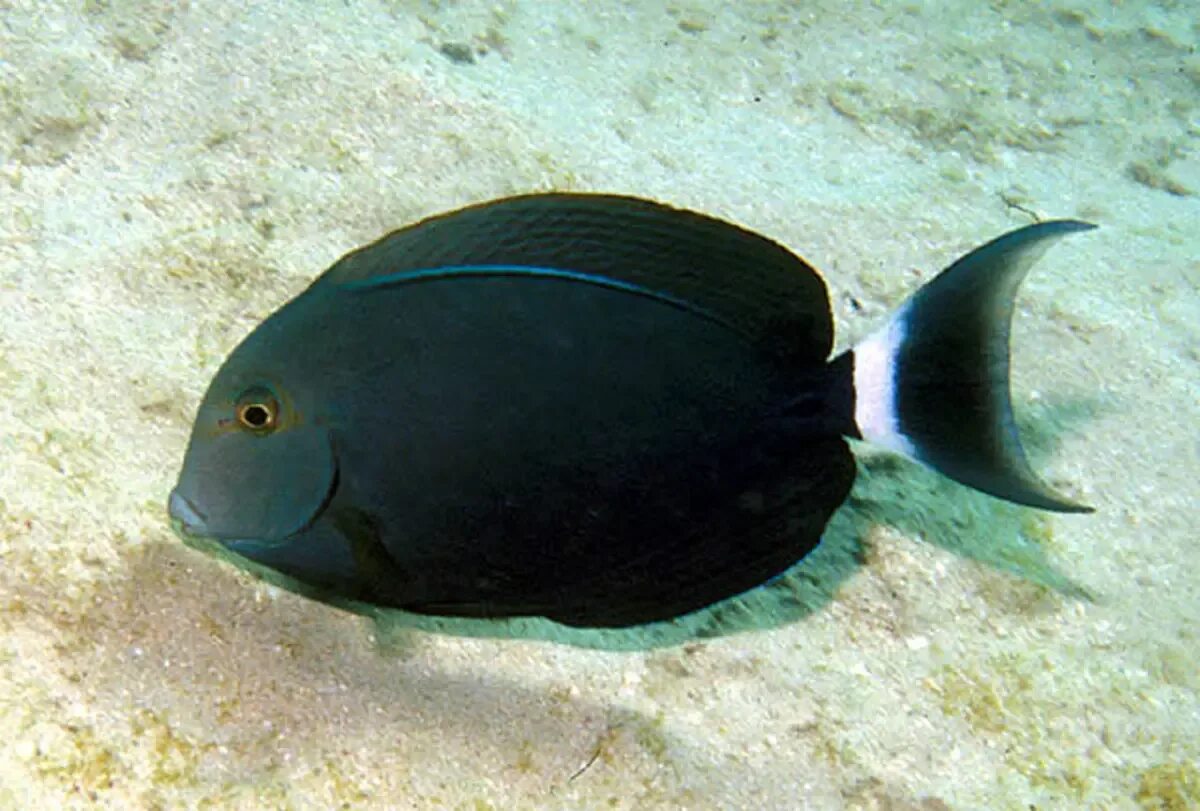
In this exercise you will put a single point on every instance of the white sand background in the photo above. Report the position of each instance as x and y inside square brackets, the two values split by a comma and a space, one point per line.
[172, 172]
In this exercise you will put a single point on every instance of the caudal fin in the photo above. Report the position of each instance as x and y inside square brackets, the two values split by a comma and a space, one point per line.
[933, 382]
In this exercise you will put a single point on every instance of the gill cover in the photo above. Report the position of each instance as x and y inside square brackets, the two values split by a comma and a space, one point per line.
[265, 487]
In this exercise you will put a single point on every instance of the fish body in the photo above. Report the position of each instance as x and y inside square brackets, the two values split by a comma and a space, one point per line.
[595, 409]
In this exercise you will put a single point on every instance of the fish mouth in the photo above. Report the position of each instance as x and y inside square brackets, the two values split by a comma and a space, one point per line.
[188, 522]
[186, 517]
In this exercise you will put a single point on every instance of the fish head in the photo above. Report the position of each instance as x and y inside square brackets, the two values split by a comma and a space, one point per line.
[260, 467]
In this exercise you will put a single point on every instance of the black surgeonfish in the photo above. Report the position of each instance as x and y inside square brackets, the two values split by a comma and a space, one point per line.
[591, 408]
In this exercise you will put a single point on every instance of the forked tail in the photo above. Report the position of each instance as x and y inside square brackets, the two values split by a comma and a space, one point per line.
[932, 384]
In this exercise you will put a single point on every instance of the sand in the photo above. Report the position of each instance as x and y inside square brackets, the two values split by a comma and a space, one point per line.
[172, 172]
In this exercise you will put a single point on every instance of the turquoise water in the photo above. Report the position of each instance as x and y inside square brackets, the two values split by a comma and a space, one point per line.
[171, 173]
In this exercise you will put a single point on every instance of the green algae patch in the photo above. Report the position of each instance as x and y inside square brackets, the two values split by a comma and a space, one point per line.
[1012, 702]
[175, 758]
[1169, 787]
[80, 759]
[135, 30]
[651, 737]
[988, 703]
[74, 756]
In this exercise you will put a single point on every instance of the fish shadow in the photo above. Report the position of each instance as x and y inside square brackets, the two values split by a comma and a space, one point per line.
[240, 680]
[906, 496]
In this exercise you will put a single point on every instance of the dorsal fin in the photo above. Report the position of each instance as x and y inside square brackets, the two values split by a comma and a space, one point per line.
[755, 285]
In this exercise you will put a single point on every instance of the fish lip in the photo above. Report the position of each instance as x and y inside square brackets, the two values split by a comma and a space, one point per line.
[185, 516]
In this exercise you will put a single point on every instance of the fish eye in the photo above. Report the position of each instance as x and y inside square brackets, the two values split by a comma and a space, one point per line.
[258, 411]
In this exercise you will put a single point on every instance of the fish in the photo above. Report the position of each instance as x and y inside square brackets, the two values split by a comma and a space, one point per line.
[595, 409]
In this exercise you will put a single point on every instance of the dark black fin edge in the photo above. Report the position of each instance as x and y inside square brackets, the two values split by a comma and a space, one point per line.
[951, 369]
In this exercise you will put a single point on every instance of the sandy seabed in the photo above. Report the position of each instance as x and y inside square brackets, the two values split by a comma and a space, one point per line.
[172, 172]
